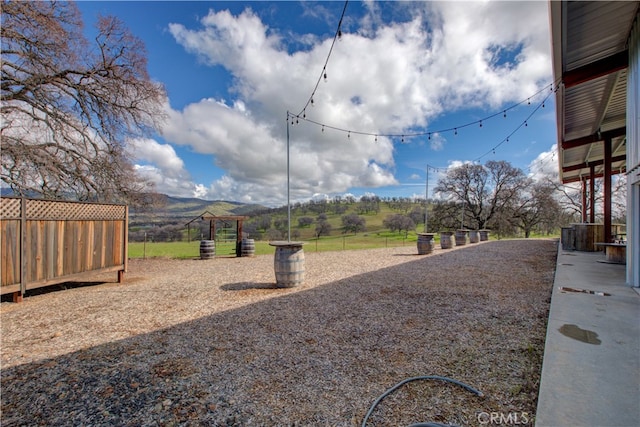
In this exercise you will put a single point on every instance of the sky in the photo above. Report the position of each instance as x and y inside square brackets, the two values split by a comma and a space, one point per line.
[411, 89]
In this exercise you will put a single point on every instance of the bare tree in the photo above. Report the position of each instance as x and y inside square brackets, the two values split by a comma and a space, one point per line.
[569, 196]
[484, 190]
[536, 206]
[70, 105]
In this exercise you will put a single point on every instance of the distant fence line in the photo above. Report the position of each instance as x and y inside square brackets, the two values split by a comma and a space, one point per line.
[44, 242]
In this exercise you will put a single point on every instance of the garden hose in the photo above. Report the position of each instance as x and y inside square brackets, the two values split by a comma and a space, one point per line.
[405, 381]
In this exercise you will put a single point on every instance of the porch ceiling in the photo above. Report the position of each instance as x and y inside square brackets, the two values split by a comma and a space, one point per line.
[590, 60]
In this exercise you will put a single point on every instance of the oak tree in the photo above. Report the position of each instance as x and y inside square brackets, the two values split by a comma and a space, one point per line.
[70, 104]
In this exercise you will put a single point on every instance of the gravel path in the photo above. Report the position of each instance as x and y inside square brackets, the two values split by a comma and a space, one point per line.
[191, 342]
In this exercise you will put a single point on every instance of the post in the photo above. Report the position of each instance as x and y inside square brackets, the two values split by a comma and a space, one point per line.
[592, 193]
[426, 202]
[584, 198]
[607, 190]
[23, 250]
[125, 245]
[288, 185]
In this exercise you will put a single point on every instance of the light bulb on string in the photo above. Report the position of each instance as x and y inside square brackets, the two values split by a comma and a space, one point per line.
[349, 135]
[455, 131]
[504, 114]
[525, 124]
[311, 101]
[322, 128]
[528, 101]
[304, 113]
[429, 136]
[325, 77]
[376, 138]
[480, 123]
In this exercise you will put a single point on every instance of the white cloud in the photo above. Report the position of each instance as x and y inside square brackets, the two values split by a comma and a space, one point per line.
[160, 164]
[437, 141]
[450, 55]
[545, 166]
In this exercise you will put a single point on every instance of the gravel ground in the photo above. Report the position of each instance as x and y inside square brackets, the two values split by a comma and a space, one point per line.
[215, 343]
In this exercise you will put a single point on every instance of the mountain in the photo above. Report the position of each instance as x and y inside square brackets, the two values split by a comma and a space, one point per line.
[184, 209]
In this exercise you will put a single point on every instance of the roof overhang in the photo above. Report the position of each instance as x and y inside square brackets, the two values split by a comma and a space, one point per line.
[590, 60]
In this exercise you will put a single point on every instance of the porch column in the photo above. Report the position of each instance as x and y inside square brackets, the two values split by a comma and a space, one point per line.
[607, 190]
[584, 198]
[592, 193]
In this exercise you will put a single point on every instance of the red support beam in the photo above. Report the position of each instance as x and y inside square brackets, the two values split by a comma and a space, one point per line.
[584, 199]
[595, 163]
[611, 64]
[607, 191]
[598, 175]
[596, 137]
[592, 194]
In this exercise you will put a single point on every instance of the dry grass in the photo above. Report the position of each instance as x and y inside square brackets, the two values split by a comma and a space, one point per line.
[215, 343]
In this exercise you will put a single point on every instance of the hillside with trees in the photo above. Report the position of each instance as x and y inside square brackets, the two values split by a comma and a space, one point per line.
[493, 196]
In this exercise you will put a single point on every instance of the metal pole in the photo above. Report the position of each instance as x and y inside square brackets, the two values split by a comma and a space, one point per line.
[462, 218]
[288, 189]
[426, 202]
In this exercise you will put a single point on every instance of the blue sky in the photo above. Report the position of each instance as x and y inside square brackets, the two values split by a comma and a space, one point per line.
[232, 70]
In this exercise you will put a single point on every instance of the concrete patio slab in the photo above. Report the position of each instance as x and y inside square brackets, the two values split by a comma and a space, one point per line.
[591, 367]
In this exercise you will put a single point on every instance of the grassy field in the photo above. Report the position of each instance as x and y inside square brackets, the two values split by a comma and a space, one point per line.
[183, 250]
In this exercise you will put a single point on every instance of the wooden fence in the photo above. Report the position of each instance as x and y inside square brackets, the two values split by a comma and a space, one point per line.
[44, 242]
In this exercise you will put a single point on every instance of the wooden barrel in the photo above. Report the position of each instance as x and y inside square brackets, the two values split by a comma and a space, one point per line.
[289, 266]
[474, 236]
[484, 235]
[461, 237]
[425, 243]
[248, 247]
[446, 239]
[207, 249]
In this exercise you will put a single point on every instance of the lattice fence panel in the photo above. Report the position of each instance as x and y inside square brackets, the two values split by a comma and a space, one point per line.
[9, 208]
[57, 210]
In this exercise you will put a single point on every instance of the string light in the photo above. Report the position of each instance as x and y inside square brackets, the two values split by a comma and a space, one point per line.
[454, 129]
[323, 74]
